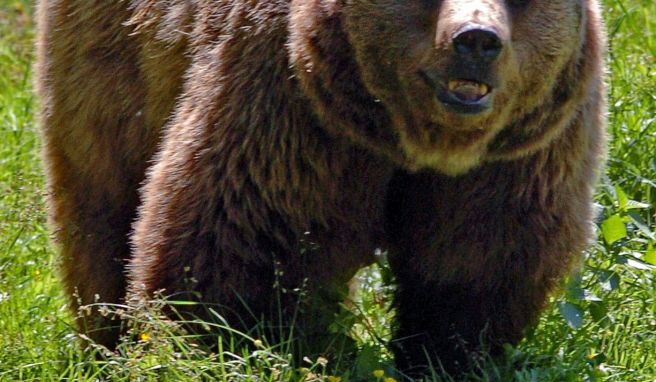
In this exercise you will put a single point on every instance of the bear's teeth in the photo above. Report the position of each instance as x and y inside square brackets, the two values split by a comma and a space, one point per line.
[468, 90]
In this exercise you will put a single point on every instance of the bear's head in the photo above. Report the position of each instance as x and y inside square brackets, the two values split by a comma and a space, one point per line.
[445, 84]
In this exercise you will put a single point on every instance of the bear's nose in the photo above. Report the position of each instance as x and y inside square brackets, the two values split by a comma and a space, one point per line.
[477, 43]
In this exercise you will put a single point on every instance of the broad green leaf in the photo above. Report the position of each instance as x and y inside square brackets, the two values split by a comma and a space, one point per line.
[572, 313]
[650, 256]
[613, 229]
[598, 310]
[575, 291]
[622, 199]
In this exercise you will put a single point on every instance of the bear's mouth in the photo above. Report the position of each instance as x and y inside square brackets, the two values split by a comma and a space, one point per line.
[461, 95]
[468, 91]
[466, 96]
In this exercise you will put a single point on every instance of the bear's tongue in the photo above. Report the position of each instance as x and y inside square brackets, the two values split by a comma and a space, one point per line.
[469, 91]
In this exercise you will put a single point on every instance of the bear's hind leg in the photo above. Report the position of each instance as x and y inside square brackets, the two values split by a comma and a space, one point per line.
[95, 147]
[93, 248]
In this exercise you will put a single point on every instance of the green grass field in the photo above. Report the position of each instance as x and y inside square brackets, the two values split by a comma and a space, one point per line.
[602, 327]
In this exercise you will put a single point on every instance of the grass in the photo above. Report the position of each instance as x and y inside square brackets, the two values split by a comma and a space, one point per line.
[601, 328]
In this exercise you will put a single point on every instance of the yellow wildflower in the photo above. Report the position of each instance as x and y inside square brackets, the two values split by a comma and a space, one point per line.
[378, 373]
[144, 337]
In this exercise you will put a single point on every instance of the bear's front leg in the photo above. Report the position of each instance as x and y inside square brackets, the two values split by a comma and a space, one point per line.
[237, 230]
[475, 256]
[451, 326]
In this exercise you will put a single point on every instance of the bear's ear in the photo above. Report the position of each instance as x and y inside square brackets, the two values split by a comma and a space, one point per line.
[327, 8]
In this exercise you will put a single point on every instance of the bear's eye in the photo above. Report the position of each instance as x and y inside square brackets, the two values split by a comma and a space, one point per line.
[430, 4]
[518, 3]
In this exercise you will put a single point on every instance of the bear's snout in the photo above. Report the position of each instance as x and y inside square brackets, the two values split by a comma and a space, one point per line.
[470, 79]
[477, 44]
[469, 44]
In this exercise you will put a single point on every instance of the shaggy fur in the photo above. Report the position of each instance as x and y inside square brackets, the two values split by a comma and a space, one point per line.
[289, 139]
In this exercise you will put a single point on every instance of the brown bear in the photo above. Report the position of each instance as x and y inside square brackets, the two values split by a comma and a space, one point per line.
[291, 138]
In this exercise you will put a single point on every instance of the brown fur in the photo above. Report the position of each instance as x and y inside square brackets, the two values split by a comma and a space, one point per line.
[299, 137]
